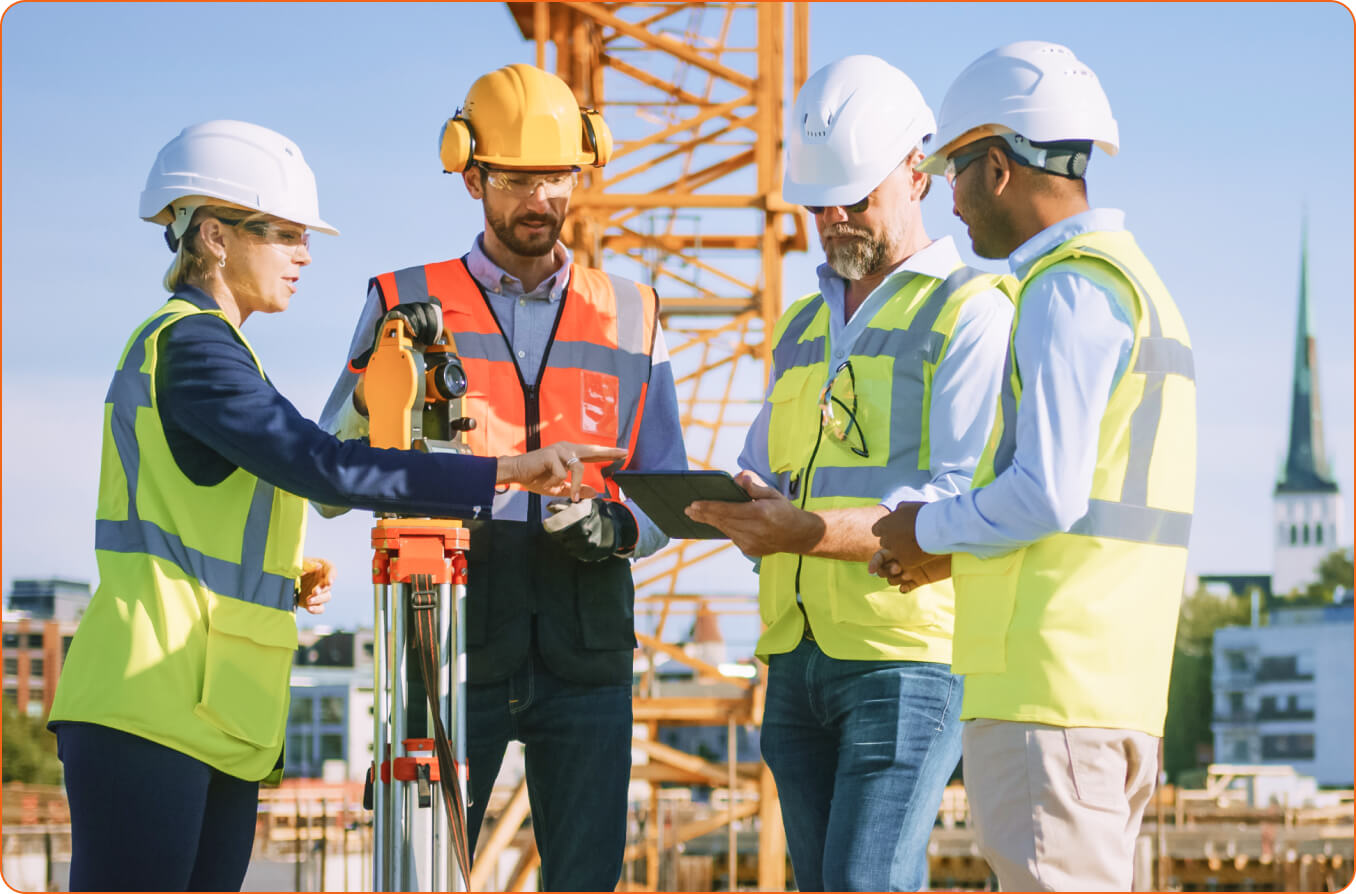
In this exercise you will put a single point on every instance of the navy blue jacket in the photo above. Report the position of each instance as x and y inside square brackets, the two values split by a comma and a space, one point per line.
[220, 414]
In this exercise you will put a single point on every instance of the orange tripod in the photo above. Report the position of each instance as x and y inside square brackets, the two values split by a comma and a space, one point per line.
[419, 780]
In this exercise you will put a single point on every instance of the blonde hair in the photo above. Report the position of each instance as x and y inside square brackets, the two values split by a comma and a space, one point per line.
[191, 265]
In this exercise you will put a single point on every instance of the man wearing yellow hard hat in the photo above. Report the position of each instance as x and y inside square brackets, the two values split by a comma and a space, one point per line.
[552, 352]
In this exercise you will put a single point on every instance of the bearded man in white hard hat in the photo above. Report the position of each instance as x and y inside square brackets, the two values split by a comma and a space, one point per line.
[1070, 552]
[883, 387]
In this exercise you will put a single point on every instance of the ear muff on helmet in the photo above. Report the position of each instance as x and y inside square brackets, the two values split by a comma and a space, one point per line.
[455, 144]
[597, 137]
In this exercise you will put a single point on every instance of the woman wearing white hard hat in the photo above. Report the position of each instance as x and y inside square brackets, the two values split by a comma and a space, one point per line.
[172, 703]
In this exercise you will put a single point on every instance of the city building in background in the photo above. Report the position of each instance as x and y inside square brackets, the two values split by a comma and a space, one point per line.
[39, 620]
[1283, 692]
[329, 723]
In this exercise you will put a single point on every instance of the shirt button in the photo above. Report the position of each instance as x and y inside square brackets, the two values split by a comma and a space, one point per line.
[522, 353]
[522, 301]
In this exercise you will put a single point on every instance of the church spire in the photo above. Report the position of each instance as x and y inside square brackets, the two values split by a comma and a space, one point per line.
[1306, 463]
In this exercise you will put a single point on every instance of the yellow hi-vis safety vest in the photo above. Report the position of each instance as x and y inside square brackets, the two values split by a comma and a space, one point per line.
[856, 615]
[189, 639]
[1077, 629]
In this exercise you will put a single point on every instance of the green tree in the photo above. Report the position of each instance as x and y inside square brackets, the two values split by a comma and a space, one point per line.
[1190, 695]
[29, 750]
[1334, 571]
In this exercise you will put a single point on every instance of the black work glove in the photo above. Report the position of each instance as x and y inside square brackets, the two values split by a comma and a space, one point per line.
[592, 530]
[425, 319]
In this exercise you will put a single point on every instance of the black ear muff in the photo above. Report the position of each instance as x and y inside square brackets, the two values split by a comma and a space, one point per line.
[455, 144]
[597, 137]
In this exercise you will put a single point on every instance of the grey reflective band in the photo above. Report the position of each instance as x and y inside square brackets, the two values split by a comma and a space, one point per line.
[1007, 438]
[1165, 355]
[630, 306]
[869, 482]
[411, 285]
[218, 575]
[790, 352]
[915, 345]
[799, 353]
[1140, 524]
[245, 580]
[1130, 518]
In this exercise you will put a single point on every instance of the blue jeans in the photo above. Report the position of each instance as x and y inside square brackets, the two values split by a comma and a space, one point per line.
[577, 756]
[860, 751]
[148, 818]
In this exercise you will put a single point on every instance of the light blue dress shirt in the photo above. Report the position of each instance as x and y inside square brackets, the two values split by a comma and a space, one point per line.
[1073, 342]
[964, 388]
[527, 319]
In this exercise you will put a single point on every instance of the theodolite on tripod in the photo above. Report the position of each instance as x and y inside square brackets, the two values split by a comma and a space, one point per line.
[418, 784]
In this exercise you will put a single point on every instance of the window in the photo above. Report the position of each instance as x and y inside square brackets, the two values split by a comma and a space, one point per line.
[1299, 746]
[10, 641]
[1306, 533]
[35, 667]
[1268, 705]
[331, 747]
[1236, 703]
[1318, 534]
[1237, 662]
[11, 666]
[301, 710]
[1240, 754]
[65, 645]
[331, 709]
[1294, 535]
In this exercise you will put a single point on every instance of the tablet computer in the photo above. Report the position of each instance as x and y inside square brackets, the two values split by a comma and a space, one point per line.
[664, 495]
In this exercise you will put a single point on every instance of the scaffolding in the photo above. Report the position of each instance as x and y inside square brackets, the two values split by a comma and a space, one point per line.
[691, 204]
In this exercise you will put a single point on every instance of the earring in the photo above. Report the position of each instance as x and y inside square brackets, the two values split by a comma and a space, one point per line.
[221, 262]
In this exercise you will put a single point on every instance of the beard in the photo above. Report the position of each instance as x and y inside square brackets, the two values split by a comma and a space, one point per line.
[857, 257]
[534, 246]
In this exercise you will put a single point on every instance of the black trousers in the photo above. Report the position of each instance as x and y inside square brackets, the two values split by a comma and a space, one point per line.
[148, 818]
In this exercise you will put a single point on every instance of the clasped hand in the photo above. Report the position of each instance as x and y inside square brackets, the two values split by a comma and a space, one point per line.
[900, 560]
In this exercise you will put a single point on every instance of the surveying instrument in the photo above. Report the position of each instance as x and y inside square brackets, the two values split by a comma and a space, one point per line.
[418, 785]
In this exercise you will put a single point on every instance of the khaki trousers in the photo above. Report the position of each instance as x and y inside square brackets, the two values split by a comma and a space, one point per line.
[1055, 808]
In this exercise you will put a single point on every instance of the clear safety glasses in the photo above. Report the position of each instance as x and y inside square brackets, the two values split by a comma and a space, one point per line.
[838, 410]
[521, 184]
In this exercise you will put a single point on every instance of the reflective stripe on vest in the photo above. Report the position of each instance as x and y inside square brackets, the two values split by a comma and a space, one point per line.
[246, 579]
[592, 383]
[1077, 628]
[854, 614]
[189, 639]
[916, 342]
[1158, 357]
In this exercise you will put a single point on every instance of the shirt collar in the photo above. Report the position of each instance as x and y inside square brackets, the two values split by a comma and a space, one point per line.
[495, 279]
[1055, 235]
[937, 259]
[197, 297]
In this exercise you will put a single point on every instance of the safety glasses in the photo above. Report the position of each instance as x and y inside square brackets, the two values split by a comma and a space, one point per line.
[855, 208]
[521, 184]
[962, 160]
[838, 410]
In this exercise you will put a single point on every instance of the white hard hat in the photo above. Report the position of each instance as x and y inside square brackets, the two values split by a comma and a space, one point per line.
[1037, 89]
[854, 121]
[234, 161]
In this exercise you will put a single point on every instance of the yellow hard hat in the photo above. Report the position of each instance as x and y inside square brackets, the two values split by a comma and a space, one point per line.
[520, 116]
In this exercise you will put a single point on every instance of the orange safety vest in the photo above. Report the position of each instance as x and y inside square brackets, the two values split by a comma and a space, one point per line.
[592, 383]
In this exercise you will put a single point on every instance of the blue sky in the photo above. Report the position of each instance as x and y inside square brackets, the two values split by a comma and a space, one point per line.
[1233, 118]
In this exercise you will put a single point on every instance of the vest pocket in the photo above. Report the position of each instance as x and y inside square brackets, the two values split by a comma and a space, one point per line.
[245, 679]
[607, 605]
[986, 596]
